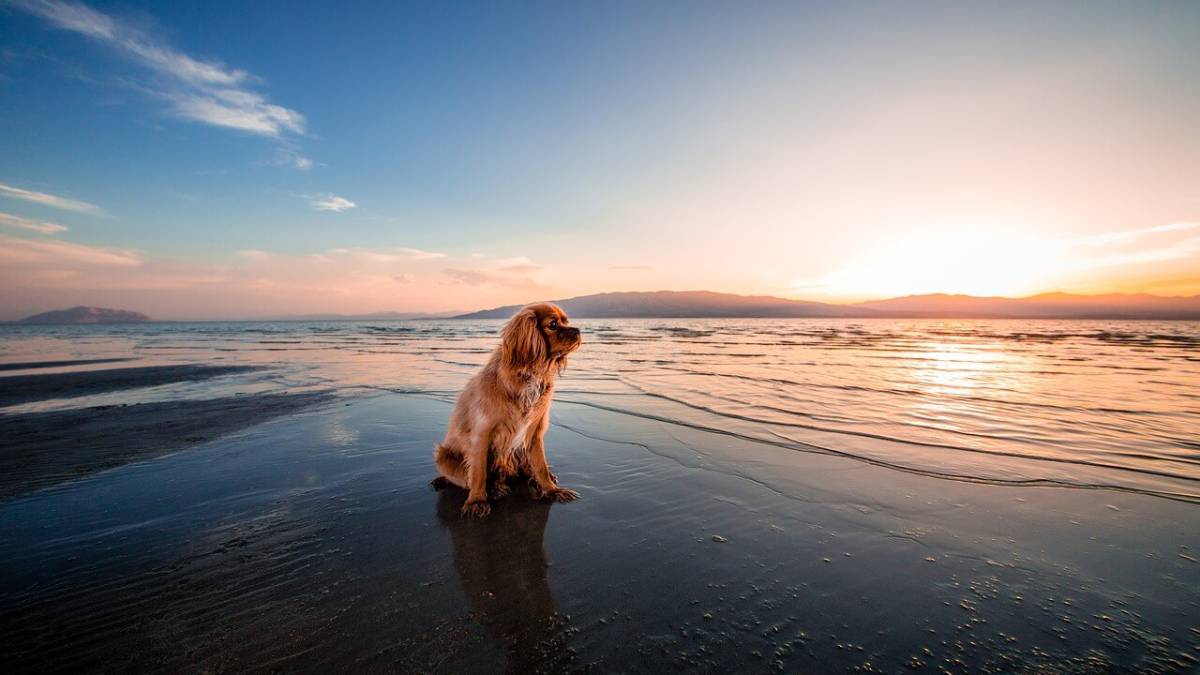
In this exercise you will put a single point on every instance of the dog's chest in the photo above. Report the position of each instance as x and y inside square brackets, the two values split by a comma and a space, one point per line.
[531, 394]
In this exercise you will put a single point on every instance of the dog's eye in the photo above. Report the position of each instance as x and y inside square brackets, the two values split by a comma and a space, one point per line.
[553, 324]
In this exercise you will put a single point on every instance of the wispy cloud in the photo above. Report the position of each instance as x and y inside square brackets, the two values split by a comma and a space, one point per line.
[516, 273]
[333, 203]
[491, 279]
[418, 254]
[518, 265]
[52, 252]
[381, 255]
[237, 109]
[1124, 236]
[82, 19]
[204, 91]
[49, 200]
[39, 226]
[290, 156]
[1132, 247]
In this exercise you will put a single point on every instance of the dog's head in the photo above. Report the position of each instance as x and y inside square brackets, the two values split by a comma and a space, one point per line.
[538, 336]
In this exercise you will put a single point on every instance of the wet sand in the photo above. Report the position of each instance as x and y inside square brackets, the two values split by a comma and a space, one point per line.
[34, 365]
[313, 543]
[16, 389]
[48, 448]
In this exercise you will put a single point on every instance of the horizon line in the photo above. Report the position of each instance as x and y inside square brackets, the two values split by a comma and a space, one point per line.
[872, 312]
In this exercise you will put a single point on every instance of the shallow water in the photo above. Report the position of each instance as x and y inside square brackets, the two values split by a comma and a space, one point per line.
[1113, 404]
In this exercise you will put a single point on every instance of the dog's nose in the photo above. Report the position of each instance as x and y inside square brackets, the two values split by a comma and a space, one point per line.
[573, 333]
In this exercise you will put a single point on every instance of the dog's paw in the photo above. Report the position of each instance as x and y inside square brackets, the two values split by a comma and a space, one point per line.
[561, 495]
[479, 509]
[564, 495]
[500, 490]
[439, 483]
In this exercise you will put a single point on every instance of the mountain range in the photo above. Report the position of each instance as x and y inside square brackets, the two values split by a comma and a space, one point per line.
[708, 304]
[83, 314]
[372, 316]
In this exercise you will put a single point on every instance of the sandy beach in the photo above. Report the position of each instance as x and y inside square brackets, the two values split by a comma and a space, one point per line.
[276, 532]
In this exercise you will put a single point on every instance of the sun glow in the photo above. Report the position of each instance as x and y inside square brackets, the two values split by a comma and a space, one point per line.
[964, 259]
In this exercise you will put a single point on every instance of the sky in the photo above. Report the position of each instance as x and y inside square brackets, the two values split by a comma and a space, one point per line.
[209, 160]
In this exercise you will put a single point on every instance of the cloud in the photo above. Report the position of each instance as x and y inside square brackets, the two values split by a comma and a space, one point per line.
[405, 278]
[1128, 247]
[49, 200]
[86, 21]
[525, 268]
[289, 155]
[39, 226]
[382, 255]
[515, 265]
[418, 254]
[333, 203]
[386, 255]
[203, 91]
[1124, 236]
[1182, 249]
[632, 268]
[516, 273]
[490, 279]
[52, 252]
[235, 109]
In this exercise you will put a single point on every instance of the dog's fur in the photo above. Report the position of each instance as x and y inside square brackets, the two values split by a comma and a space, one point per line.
[502, 414]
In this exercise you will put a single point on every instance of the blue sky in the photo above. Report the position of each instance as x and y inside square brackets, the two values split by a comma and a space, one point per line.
[287, 157]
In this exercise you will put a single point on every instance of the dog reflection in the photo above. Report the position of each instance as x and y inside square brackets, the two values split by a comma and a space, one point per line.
[503, 569]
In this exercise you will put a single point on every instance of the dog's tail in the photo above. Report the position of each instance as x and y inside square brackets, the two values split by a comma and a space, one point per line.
[450, 465]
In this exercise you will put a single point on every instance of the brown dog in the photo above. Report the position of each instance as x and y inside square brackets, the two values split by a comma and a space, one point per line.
[502, 414]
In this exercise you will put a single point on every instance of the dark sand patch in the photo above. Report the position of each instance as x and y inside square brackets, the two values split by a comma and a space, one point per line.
[46, 448]
[31, 365]
[26, 388]
[314, 544]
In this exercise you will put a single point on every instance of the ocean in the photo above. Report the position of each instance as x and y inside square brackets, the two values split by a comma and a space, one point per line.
[1112, 404]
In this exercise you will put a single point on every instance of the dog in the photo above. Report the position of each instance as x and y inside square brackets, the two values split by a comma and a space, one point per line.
[501, 416]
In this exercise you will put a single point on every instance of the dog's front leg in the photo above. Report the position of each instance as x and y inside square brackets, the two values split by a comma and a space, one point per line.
[477, 473]
[544, 483]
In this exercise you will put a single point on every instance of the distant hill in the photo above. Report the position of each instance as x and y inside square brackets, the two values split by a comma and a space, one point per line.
[86, 315]
[1045, 305]
[684, 304]
[374, 316]
[707, 304]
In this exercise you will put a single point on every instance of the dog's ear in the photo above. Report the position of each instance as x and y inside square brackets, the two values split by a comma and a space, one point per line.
[522, 341]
